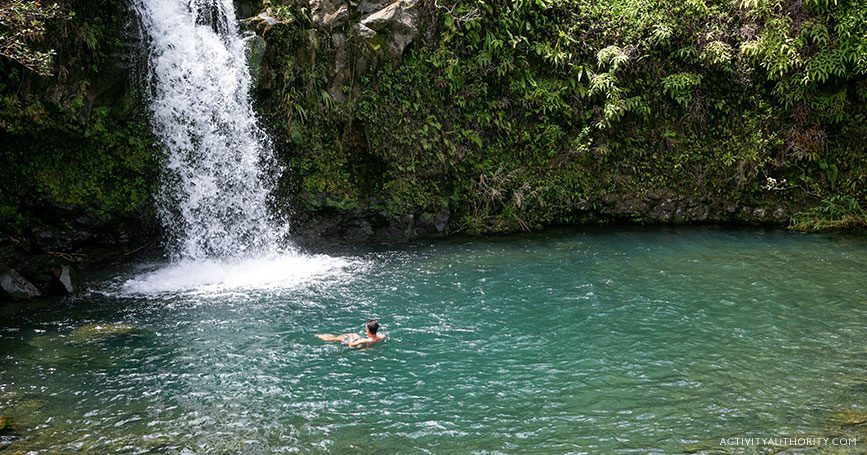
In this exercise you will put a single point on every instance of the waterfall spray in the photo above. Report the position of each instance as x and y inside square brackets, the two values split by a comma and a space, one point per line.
[216, 183]
[214, 200]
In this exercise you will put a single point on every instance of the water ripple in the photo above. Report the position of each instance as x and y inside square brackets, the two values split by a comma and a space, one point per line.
[576, 344]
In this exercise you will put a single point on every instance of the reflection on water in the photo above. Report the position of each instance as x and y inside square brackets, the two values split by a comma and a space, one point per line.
[651, 340]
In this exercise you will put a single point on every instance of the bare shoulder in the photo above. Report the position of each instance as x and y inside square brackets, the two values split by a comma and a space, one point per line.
[367, 341]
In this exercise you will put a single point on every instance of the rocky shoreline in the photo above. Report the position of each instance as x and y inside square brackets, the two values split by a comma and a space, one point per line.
[46, 260]
[324, 225]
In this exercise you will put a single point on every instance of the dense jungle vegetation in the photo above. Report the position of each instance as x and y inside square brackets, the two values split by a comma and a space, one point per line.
[517, 114]
[507, 115]
[75, 140]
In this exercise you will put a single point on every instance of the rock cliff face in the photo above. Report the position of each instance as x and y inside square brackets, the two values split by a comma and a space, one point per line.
[358, 35]
[353, 42]
[332, 227]
[43, 257]
[382, 28]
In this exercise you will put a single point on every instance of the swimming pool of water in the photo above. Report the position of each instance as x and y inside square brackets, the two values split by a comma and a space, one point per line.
[655, 339]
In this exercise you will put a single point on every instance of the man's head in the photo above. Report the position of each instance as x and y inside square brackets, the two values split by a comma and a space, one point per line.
[372, 326]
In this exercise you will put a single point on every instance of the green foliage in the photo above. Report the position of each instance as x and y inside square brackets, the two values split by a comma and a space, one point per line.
[510, 114]
[680, 86]
[836, 212]
[521, 114]
[77, 141]
[808, 49]
[612, 57]
[22, 23]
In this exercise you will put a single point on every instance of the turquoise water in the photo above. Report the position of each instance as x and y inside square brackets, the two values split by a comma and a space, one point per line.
[597, 341]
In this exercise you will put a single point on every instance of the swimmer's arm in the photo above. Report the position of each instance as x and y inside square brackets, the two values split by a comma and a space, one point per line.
[357, 343]
[365, 341]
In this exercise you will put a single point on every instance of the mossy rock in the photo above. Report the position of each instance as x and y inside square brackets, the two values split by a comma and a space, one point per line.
[851, 417]
[24, 415]
[5, 423]
[9, 395]
[52, 348]
[91, 331]
[27, 407]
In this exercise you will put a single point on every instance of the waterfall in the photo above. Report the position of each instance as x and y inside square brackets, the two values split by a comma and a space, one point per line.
[219, 168]
[214, 200]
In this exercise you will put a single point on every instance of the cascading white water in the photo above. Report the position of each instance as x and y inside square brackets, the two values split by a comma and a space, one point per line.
[214, 198]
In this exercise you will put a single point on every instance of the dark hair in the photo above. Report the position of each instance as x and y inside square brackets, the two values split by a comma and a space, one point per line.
[372, 325]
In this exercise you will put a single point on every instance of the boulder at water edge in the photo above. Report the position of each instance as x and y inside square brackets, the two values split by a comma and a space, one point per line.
[63, 281]
[15, 287]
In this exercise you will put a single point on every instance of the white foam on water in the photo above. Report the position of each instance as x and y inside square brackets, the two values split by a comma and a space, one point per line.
[220, 276]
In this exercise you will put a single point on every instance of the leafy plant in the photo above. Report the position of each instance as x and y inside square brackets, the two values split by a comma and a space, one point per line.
[22, 24]
[835, 212]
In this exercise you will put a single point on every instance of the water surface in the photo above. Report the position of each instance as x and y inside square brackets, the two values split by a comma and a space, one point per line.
[598, 341]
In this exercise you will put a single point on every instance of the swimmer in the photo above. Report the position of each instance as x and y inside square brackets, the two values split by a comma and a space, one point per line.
[353, 339]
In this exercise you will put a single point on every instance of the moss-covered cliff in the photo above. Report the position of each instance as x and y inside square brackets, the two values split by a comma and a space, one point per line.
[79, 161]
[416, 117]
[397, 119]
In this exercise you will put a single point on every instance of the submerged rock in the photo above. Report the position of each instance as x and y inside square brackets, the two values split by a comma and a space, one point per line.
[90, 331]
[16, 287]
[851, 417]
[28, 412]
